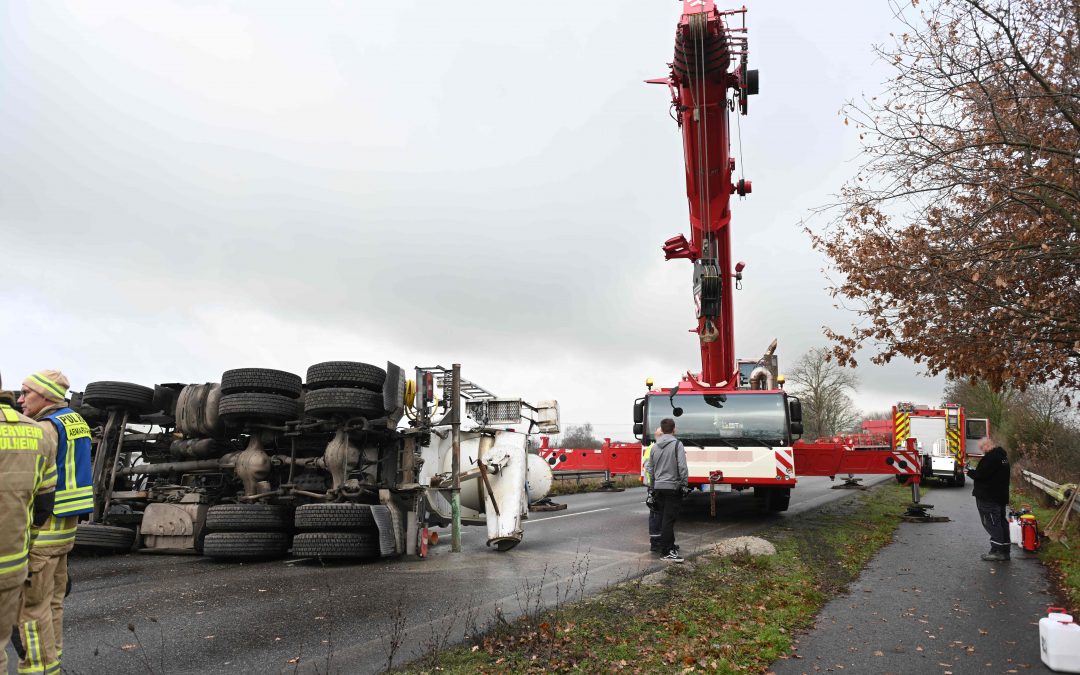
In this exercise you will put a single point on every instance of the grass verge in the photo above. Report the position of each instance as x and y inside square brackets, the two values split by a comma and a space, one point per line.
[1061, 557]
[733, 614]
[572, 487]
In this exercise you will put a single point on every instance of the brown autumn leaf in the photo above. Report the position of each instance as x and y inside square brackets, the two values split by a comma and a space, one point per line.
[128, 648]
[974, 166]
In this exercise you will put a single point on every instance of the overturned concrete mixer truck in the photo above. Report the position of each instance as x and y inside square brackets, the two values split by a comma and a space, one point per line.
[356, 462]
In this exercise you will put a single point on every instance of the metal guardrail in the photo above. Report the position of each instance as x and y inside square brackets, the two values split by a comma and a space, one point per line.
[1060, 492]
[579, 475]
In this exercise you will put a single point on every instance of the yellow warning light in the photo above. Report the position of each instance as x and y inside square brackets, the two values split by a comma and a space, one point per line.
[648, 382]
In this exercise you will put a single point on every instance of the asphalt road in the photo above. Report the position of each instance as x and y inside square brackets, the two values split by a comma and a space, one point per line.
[194, 615]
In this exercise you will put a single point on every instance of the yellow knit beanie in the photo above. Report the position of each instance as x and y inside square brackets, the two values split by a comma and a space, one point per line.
[52, 384]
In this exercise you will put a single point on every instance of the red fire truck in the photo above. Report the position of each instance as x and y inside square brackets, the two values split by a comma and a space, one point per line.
[944, 436]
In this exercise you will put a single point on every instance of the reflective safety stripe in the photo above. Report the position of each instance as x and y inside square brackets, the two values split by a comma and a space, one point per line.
[52, 668]
[49, 384]
[9, 413]
[13, 563]
[68, 502]
[48, 478]
[32, 644]
[74, 493]
[51, 538]
[73, 506]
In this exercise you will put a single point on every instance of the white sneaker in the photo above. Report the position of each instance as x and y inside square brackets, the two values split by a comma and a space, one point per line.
[673, 557]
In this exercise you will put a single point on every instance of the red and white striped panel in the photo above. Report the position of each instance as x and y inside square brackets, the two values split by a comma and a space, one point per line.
[912, 459]
[553, 456]
[785, 463]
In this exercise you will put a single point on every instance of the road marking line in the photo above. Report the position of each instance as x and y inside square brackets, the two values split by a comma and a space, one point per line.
[567, 515]
[296, 560]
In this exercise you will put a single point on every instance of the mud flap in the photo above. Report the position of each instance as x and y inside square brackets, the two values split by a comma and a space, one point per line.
[173, 527]
[388, 522]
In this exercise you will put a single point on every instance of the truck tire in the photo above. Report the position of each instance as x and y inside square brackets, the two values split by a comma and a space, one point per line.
[901, 479]
[343, 517]
[345, 374]
[335, 545]
[781, 499]
[104, 538]
[245, 545]
[119, 395]
[247, 518]
[260, 381]
[960, 480]
[325, 403]
[772, 499]
[250, 406]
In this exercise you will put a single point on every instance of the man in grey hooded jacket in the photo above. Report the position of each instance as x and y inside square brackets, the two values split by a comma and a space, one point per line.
[666, 468]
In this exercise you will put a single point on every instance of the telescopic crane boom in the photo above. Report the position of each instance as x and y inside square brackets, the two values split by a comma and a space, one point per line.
[710, 61]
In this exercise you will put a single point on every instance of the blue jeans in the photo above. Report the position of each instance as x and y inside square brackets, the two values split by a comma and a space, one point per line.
[996, 525]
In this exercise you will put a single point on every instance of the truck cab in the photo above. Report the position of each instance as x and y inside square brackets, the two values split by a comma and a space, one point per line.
[734, 439]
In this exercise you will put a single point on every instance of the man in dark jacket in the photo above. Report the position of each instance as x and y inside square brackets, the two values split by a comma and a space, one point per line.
[992, 497]
[666, 468]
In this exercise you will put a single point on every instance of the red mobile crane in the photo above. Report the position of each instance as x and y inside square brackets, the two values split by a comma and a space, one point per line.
[736, 421]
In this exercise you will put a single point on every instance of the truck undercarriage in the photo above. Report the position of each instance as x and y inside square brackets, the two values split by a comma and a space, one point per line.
[356, 462]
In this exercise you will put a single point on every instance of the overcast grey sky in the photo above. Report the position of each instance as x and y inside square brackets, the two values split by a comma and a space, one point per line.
[187, 187]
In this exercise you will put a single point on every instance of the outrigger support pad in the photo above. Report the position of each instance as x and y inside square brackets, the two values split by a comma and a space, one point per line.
[917, 513]
[546, 504]
[850, 483]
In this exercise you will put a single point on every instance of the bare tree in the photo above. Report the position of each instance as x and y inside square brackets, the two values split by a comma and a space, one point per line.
[1038, 425]
[580, 436]
[981, 399]
[958, 242]
[823, 386]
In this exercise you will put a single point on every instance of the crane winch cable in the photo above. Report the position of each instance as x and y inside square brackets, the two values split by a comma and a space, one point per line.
[702, 33]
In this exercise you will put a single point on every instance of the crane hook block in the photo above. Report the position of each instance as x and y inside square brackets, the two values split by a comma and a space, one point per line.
[708, 332]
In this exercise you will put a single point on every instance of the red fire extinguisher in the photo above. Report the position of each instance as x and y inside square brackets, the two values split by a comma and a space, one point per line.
[1029, 533]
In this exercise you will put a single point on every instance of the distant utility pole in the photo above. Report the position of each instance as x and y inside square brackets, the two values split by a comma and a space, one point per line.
[455, 467]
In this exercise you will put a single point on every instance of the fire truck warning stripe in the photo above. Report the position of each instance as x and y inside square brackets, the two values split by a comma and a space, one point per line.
[902, 426]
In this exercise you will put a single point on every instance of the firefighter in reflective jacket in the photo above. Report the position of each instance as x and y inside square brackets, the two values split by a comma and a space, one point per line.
[27, 481]
[41, 618]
